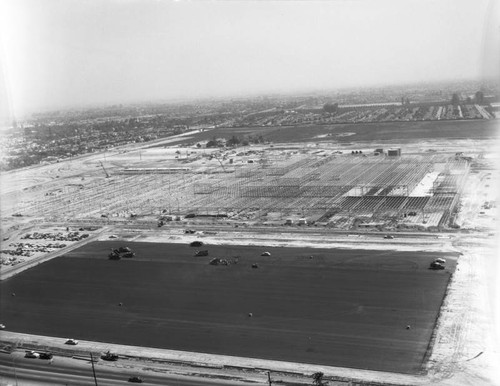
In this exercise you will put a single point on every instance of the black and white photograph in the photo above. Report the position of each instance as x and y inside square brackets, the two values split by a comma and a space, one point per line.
[249, 192]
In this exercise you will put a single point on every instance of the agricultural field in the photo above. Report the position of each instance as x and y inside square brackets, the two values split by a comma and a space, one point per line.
[347, 308]
[384, 113]
[376, 132]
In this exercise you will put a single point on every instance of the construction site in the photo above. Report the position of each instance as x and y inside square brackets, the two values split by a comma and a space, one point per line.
[350, 231]
[275, 185]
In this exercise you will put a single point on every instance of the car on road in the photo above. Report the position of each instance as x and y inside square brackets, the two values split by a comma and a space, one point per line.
[388, 237]
[31, 354]
[46, 355]
[72, 342]
[135, 380]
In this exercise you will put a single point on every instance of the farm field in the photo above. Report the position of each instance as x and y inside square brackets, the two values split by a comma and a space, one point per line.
[346, 308]
[378, 132]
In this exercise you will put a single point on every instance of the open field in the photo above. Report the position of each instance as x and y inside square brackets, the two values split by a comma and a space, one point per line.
[380, 132]
[344, 308]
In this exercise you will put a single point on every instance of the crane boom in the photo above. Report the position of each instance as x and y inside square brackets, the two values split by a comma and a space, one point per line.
[103, 168]
[221, 164]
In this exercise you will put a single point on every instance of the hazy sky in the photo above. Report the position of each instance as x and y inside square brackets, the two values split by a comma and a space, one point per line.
[57, 53]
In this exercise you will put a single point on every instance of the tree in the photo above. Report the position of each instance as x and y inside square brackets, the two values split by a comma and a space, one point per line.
[330, 107]
[318, 379]
[479, 97]
[233, 141]
[455, 99]
[212, 143]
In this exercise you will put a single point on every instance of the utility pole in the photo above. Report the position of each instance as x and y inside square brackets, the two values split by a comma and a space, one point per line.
[269, 378]
[93, 368]
[14, 365]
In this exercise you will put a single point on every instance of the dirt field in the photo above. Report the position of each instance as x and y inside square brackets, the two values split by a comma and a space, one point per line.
[347, 308]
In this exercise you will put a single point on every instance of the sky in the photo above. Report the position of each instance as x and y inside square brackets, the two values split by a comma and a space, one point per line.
[59, 53]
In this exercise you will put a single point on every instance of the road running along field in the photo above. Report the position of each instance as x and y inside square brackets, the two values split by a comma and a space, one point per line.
[347, 308]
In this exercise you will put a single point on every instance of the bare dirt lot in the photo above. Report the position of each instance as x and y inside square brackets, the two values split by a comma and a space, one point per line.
[346, 308]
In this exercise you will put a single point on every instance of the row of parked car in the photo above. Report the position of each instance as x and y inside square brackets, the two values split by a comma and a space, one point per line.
[60, 236]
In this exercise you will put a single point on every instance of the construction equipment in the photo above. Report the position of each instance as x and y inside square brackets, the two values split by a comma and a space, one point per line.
[435, 265]
[217, 261]
[109, 356]
[114, 256]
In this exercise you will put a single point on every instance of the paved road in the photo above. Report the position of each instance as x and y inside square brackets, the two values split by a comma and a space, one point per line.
[17, 370]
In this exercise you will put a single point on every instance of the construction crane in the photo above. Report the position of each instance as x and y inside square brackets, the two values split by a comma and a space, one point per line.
[105, 171]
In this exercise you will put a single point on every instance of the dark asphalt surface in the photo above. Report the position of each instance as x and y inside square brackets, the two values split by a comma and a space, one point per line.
[347, 308]
[14, 369]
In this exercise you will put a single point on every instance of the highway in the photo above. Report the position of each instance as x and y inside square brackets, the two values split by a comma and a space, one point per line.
[17, 370]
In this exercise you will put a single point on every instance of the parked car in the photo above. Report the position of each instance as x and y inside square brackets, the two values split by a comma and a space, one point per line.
[135, 380]
[31, 354]
[2, 326]
[46, 355]
[440, 260]
[72, 342]
[388, 237]
[265, 254]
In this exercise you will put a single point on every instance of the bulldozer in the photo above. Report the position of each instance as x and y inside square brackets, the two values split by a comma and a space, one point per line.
[114, 256]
